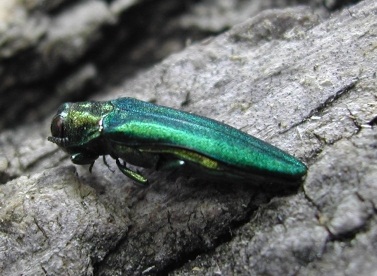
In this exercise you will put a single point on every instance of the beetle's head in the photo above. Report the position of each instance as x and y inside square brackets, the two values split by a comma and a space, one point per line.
[77, 126]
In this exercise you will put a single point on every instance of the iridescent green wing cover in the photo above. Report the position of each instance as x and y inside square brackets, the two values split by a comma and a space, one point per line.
[139, 124]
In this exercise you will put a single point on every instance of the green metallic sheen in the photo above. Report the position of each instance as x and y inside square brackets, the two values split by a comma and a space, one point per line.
[153, 136]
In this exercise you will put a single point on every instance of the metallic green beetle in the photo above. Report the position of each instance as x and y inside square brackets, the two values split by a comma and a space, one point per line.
[152, 136]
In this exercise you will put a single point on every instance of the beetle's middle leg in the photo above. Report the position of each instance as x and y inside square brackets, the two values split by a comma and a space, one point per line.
[132, 174]
[107, 164]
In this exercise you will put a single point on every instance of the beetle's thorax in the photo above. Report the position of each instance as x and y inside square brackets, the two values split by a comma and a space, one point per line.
[84, 121]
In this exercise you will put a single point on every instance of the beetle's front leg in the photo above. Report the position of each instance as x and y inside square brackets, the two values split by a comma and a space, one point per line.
[84, 159]
[132, 174]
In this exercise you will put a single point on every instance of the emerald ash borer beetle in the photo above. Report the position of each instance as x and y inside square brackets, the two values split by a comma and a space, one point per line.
[152, 136]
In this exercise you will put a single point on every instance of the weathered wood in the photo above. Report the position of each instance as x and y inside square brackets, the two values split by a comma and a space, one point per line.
[304, 84]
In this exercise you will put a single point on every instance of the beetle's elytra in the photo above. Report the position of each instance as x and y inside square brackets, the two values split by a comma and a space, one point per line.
[153, 136]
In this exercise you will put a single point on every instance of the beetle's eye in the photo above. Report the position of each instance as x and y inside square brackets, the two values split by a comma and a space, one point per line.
[57, 127]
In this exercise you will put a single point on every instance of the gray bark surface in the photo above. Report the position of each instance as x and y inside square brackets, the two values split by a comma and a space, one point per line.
[292, 77]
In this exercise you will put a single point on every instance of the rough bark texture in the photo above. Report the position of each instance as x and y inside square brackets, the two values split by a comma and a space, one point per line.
[293, 77]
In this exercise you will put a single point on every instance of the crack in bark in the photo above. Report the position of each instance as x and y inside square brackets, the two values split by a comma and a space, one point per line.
[322, 106]
[41, 229]
[334, 97]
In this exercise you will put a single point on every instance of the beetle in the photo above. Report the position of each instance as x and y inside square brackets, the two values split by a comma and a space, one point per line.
[153, 136]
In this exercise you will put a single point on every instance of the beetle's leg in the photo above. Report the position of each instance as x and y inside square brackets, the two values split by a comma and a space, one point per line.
[91, 167]
[84, 159]
[132, 174]
[107, 164]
